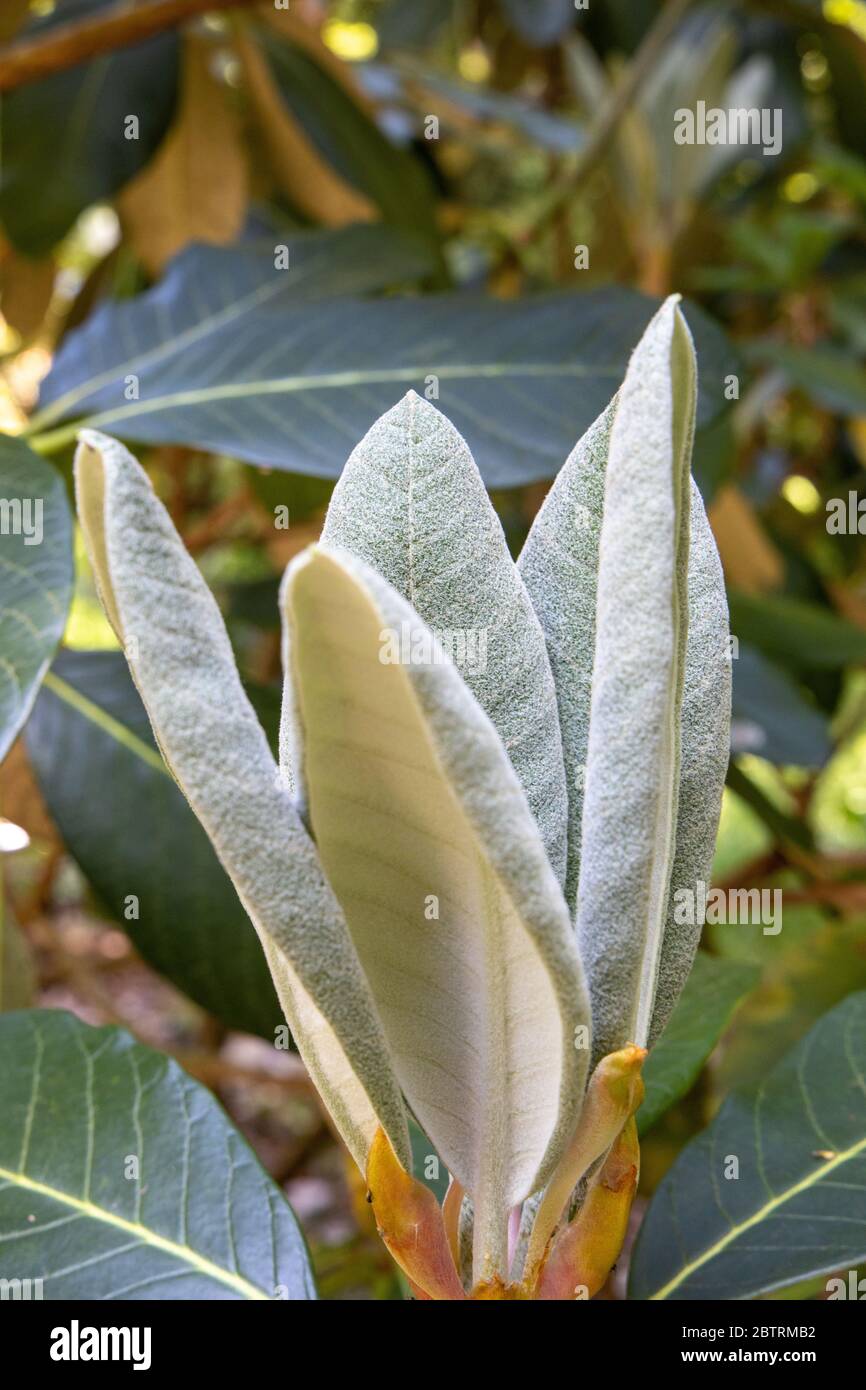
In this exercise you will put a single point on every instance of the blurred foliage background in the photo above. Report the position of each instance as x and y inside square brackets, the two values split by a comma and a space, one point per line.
[430, 153]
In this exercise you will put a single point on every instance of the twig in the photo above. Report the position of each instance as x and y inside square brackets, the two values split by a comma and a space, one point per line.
[62, 47]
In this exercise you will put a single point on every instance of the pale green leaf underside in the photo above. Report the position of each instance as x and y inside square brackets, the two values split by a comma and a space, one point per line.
[201, 1220]
[413, 801]
[411, 503]
[181, 660]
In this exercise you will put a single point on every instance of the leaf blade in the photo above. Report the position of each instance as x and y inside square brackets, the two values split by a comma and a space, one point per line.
[36, 565]
[65, 1184]
[442, 811]
[812, 1103]
[216, 749]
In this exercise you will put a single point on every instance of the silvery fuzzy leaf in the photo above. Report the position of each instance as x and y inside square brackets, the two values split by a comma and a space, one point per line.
[411, 503]
[181, 660]
[458, 919]
[629, 823]
[705, 731]
[559, 566]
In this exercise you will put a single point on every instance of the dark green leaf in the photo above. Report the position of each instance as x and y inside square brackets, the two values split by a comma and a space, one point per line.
[199, 1220]
[66, 140]
[771, 717]
[349, 140]
[223, 362]
[703, 1012]
[833, 378]
[36, 572]
[801, 635]
[796, 1207]
[131, 831]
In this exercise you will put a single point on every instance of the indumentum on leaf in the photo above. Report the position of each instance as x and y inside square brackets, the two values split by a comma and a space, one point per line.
[492, 779]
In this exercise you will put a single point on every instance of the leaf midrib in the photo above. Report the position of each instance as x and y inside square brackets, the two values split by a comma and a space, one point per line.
[810, 1180]
[148, 1237]
[105, 721]
[277, 386]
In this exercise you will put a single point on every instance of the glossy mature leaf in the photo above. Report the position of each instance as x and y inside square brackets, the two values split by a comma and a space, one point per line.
[215, 747]
[65, 141]
[36, 574]
[224, 361]
[411, 503]
[797, 633]
[772, 717]
[795, 1209]
[134, 834]
[201, 1220]
[349, 139]
[702, 1013]
[459, 922]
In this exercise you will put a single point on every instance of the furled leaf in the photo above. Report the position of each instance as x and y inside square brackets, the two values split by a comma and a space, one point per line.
[411, 503]
[228, 354]
[181, 660]
[560, 564]
[139, 844]
[67, 141]
[795, 1208]
[36, 573]
[122, 1178]
[712, 992]
[460, 924]
[705, 720]
[628, 834]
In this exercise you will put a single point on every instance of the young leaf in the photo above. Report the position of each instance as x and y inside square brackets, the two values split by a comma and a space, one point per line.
[122, 1178]
[705, 725]
[411, 503]
[559, 566]
[796, 1145]
[181, 660]
[458, 919]
[633, 752]
[36, 574]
